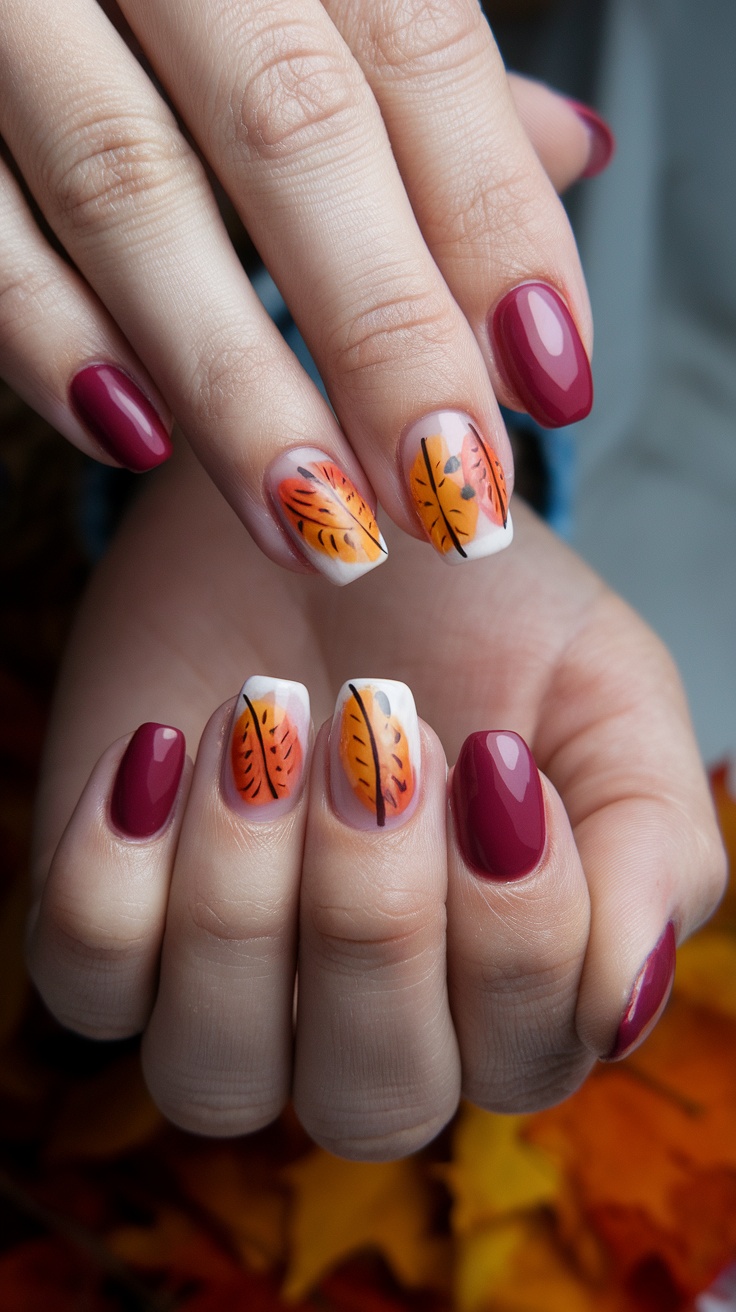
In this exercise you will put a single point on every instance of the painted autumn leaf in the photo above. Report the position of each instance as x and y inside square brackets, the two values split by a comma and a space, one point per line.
[328, 512]
[266, 753]
[447, 505]
[374, 752]
[483, 472]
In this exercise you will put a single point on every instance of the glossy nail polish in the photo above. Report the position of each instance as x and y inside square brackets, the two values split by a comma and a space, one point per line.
[457, 486]
[602, 139]
[110, 406]
[375, 755]
[269, 746]
[498, 805]
[327, 519]
[649, 996]
[540, 355]
[147, 780]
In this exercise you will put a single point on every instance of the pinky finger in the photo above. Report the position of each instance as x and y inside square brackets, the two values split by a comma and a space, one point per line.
[63, 354]
[95, 936]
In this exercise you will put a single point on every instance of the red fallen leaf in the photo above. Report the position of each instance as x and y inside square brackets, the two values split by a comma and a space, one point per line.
[245, 1293]
[49, 1274]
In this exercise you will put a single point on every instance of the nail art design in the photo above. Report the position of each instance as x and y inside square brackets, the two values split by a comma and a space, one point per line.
[269, 744]
[326, 516]
[115, 411]
[375, 753]
[458, 487]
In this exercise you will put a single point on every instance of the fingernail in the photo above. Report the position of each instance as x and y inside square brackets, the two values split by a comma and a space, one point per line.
[269, 746]
[147, 780]
[541, 356]
[375, 756]
[498, 805]
[602, 139]
[457, 485]
[649, 996]
[120, 417]
[325, 516]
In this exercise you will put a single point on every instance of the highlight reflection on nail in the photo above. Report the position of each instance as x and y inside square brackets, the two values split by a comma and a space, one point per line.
[375, 753]
[458, 486]
[325, 515]
[269, 745]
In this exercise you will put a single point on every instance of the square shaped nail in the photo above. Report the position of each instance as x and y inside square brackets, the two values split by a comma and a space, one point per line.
[327, 519]
[457, 485]
[375, 754]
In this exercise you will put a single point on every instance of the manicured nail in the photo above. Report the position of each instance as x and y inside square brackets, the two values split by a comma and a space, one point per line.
[541, 356]
[498, 805]
[120, 417]
[457, 486]
[649, 996]
[375, 756]
[147, 780]
[269, 746]
[602, 140]
[325, 515]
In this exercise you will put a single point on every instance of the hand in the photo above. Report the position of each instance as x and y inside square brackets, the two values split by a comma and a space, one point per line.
[535, 975]
[392, 178]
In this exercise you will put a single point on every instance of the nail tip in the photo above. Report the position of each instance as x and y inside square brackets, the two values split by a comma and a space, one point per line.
[649, 997]
[602, 139]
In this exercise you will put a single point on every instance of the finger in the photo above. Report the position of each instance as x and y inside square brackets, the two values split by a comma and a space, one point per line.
[518, 918]
[217, 1051]
[284, 114]
[376, 1064]
[486, 208]
[630, 773]
[62, 353]
[96, 934]
[571, 139]
[129, 200]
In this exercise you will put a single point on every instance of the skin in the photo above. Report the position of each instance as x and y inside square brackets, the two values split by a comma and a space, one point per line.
[416, 978]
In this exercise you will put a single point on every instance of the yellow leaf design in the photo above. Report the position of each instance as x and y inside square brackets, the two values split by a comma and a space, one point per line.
[328, 512]
[374, 752]
[447, 504]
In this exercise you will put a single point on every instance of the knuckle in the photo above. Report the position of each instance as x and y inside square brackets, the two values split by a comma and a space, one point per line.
[399, 328]
[393, 929]
[295, 94]
[235, 365]
[416, 37]
[501, 209]
[235, 921]
[26, 296]
[109, 166]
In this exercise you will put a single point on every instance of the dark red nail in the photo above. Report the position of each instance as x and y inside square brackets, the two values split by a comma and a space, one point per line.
[498, 805]
[602, 140]
[147, 780]
[541, 355]
[649, 996]
[117, 413]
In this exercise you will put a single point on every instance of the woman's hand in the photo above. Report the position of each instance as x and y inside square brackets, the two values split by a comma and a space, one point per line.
[497, 945]
[393, 180]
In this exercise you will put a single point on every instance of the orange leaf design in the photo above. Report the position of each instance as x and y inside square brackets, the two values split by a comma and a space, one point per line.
[374, 752]
[266, 753]
[482, 471]
[447, 504]
[329, 513]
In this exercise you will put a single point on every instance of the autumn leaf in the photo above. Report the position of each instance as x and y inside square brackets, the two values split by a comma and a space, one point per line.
[245, 1195]
[266, 753]
[375, 755]
[493, 1171]
[328, 513]
[483, 472]
[341, 1208]
[447, 505]
[104, 1116]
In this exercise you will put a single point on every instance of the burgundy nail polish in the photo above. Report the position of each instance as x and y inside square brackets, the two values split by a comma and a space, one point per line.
[120, 417]
[541, 356]
[498, 805]
[602, 140]
[147, 780]
[649, 996]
